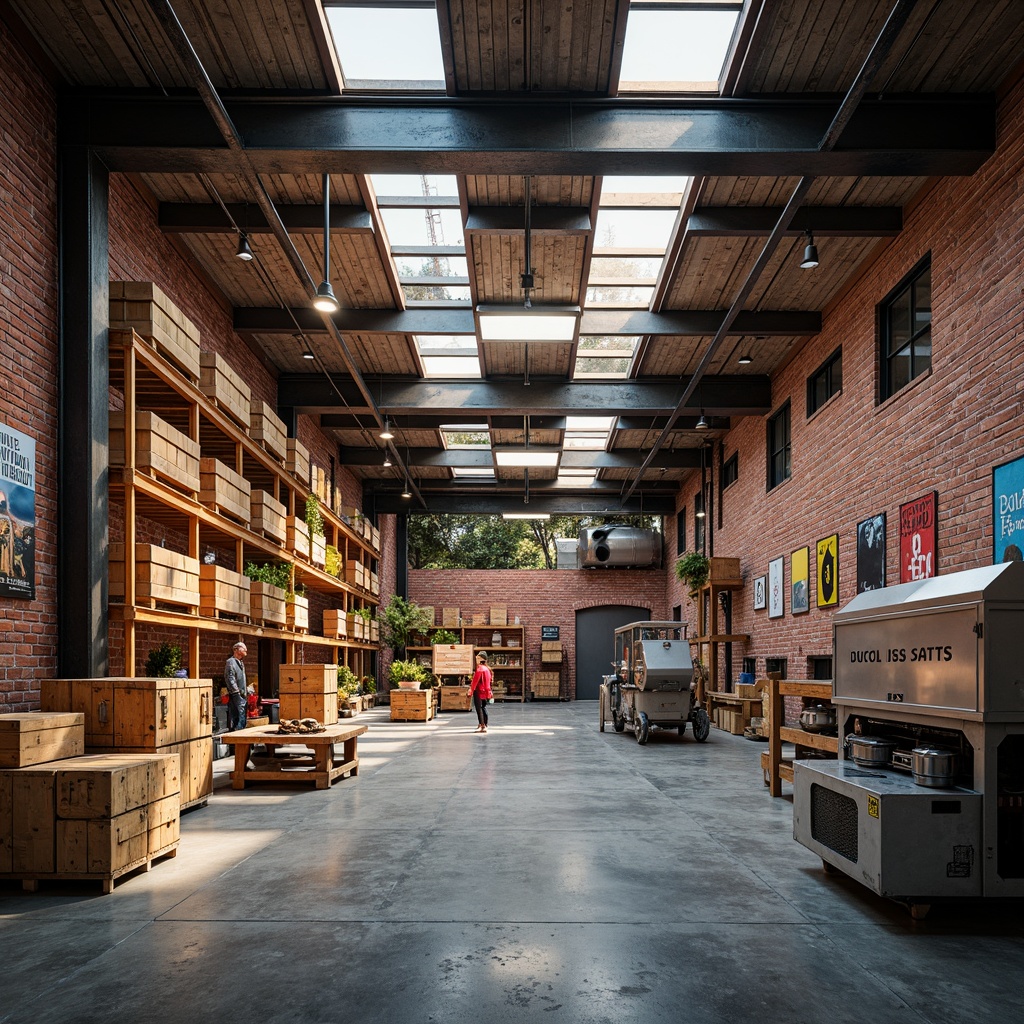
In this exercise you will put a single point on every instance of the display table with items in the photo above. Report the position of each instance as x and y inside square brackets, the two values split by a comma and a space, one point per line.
[320, 764]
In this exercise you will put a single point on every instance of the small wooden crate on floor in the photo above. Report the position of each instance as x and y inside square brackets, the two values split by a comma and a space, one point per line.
[223, 490]
[545, 685]
[267, 604]
[309, 691]
[144, 308]
[225, 388]
[456, 698]
[161, 576]
[268, 516]
[35, 737]
[161, 451]
[223, 592]
[268, 429]
[412, 705]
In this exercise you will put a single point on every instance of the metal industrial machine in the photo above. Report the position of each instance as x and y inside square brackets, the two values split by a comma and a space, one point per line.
[926, 800]
[618, 546]
[653, 683]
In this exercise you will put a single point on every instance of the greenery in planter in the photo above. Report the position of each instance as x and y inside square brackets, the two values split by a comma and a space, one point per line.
[693, 569]
[444, 636]
[163, 661]
[332, 560]
[277, 574]
[314, 518]
[405, 670]
[348, 682]
[399, 619]
[369, 684]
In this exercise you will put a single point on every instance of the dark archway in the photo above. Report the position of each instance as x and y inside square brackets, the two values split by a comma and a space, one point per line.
[595, 643]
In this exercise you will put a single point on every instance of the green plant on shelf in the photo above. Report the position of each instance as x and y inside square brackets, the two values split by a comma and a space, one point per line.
[443, 636]
[402, 671]
[277, 574]
[693, 569]
[314, 518]
[399, 620]
[163, 661]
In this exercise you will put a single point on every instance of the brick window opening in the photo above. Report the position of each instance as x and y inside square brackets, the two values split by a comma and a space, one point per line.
[779, 466]
[825, 382]
[905, 330]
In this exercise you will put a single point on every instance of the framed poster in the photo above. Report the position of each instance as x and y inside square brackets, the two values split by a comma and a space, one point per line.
[550, 632]
[760, 593]
[919, 538]
[828, 571]
[871, 553]
[799, 581]
[776, 597]
[1008, 512]
[17, 514]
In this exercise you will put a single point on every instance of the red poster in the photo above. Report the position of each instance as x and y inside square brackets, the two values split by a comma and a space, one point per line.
[919, 538]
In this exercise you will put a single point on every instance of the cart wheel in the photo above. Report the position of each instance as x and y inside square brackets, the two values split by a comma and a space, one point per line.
[701, 725]
[618, 722]
[642, 728]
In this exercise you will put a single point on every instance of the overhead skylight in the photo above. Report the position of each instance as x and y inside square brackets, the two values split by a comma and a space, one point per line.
[387, 46]
[601, 356]
[472, 471]
[676, 46]
[449, 355]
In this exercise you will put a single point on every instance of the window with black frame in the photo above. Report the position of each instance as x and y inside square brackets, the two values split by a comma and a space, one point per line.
[905, 326]
[825, 382]
[779, 447]
[681, 531]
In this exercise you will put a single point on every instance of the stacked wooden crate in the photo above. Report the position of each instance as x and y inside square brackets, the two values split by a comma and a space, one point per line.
[356, 573]
[297, 460]
[144, 308]
[268, 516]
[33, 737]
[224, 387]
[145, 716]
[545, 684]
[309, 691]
[161, 450]
[223, 490]
[161, 576]
[412, 705]
[267, 604]
[297, 613]
[223, 592]
[356, 626]
[268, 429]
[298, 536]
[335, 624]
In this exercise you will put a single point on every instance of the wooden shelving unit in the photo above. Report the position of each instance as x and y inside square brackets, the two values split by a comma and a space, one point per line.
[708, 637]
[509, 680]
[151, 384]
[777, 769]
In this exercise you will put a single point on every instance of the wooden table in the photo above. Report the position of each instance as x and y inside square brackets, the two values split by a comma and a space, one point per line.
[320, 767]
[774, 767]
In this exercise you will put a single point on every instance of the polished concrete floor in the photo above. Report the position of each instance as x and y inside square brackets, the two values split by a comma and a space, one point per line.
[543, 872]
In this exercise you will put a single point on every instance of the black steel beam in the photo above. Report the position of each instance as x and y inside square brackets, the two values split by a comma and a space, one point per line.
[919, 135]
[496, 504]
[719, 396]
[464, 458]
[208, 218]
[836, 221]
[544, 220]
[625, 322]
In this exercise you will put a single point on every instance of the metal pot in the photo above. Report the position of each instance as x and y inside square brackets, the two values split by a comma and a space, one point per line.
[934, 766]
[818, 718]
[871, 751]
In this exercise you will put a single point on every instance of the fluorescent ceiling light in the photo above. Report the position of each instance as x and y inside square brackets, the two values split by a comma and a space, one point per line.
[533, 456]
[525, 515]
[514, 323]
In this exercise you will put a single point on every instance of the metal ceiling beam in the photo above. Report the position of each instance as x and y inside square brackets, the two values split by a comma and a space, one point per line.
[496, 504]
[824, 221]
[921, 135]
[463, 458]
[208, 218]
[625, 322]
[719, 396]
[544, 220]
[353, 421]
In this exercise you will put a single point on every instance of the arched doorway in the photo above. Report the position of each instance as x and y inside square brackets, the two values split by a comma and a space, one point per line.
[595, 643]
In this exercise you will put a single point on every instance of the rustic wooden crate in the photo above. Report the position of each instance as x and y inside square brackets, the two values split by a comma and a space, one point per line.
[356, 573]
[298, 536]
[28, 832]
[101, 786]
[6, 821]
[356, 626]
[225, 388]
[498, 615]
[318, 549]
[268, 516]
[224, 490]
[551, 657]
[103, 845]
[161, 575]
[374, 583]
[335, 624]
[164, 824]
[456, 698]
[161, 450]
[297, 459]
[35, 737]
[412, 705]
[267, 604]
[452, 659]
[318, 677]
[268, 429]
[297, 613]
[724, 570]
[450, 617]
[374, 539]
[222, 591]
[146, 309]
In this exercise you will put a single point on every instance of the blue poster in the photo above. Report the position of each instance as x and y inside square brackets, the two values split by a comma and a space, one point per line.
[1008, 511]
[17, 514]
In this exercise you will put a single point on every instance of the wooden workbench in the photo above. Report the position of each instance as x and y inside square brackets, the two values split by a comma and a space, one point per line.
[320, 766]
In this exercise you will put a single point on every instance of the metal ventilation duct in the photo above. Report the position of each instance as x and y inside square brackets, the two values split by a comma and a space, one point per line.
[620, 547]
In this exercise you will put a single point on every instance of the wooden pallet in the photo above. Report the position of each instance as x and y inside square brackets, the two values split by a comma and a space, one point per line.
[30, 879]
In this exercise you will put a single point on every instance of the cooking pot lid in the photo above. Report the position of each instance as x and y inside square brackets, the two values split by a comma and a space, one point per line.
[870, 741]
[932, 752]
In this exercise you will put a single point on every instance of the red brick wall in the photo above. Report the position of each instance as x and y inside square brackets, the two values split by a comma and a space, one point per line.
[540, 597]
[856, 458]
[28, 351]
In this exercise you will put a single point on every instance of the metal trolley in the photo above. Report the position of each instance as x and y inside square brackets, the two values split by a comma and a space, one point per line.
[653, 682]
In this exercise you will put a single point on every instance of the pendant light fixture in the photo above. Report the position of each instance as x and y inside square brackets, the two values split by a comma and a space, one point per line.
[244, 251]
[701, 424]
[386, 433]
[810, 260]
[324, 300]
[745, 360]
[387, 459]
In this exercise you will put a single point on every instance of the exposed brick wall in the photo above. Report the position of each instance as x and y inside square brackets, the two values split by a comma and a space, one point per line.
[855, 458]
[540, 597]
[28, 351]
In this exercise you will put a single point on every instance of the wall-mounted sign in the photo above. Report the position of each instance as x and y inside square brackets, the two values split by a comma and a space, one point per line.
[828, 571]
[919, 538]
[549, 632]
[799, 580]
[17, 514]
[776, 595]
[1008, 512]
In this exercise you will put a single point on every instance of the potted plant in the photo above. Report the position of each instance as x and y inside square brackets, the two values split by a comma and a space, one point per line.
[399, 619]
[407, 675]
[164, 661]
[348, 687]
[444, 637]
[693, 569]
[268, 591]
[317, 537]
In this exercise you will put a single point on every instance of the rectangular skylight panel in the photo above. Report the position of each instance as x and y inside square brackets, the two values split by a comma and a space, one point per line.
[435, 294]
[634, 229]
[451, 366]
[432, 266]
[447, 344]
[647, 184]
[609, 344]
[632, 267]
[471, 471]
[415, 185]
[431, 226]
[397, 45]
[604, 295]
[601, 367]
[467, 438]
[589, 422]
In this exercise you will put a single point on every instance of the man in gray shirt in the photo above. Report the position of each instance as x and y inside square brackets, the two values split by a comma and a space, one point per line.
[234, 680]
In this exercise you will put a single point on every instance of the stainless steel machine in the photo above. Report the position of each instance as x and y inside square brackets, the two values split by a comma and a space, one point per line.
[653, 684]
[926, 800]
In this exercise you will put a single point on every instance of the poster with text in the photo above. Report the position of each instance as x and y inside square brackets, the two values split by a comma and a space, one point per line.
[871, 553]
[776, 597]
[17, 514]
[799, 580]
[1008, 512]
[828, 571]
[919, 538]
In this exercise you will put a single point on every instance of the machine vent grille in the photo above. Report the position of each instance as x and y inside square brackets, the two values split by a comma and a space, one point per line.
[834, 821]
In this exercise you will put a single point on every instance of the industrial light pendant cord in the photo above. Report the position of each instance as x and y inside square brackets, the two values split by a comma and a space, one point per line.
[325, 299]
[526, 278]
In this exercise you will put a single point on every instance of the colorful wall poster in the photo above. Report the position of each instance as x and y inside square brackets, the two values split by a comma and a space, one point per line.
[871, 553]
[828, 571]
[1008, 512]
[17, 514]
[799, 580]
[919, 538]
[776, 596]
